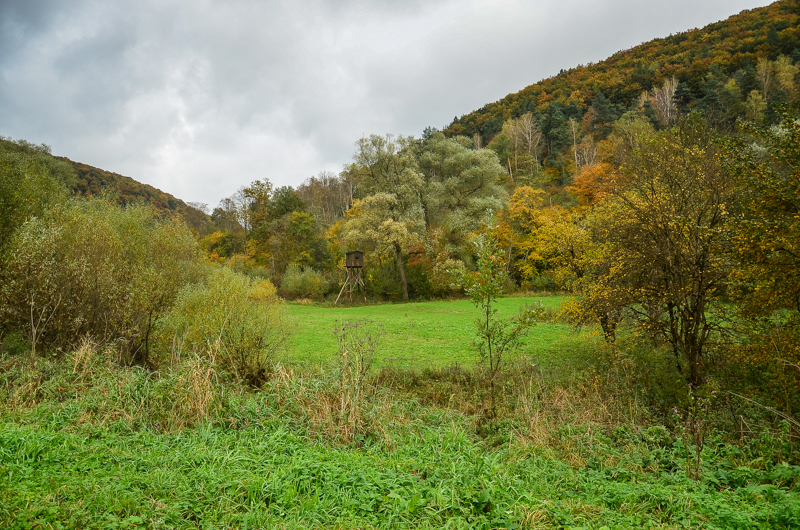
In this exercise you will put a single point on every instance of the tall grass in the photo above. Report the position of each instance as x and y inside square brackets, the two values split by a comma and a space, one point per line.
[88, 443]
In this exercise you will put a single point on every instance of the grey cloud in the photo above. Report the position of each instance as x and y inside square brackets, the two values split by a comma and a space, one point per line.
[201, 97]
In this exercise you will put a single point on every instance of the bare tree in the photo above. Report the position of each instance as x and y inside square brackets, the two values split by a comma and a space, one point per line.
[241, 208]
[477, 140]
[203, 207]
[525, 139]
[575, 131]
[663, 101]
[328, 195]
[225, 213]
[585, 153]
[764, 73]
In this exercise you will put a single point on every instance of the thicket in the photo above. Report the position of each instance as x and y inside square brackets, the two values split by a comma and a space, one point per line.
[91, 268]
[303, 282]
[231, 320]
[30, 182]
[75, 270]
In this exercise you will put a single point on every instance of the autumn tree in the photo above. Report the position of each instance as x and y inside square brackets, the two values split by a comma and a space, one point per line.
[767, 227]
[242, 210]
[766, 246]
[518, 232]
[283, 233]
[91, 268]
[257, 197]
[225, 216]
[580, 260]
[390, 217]
[664, 225]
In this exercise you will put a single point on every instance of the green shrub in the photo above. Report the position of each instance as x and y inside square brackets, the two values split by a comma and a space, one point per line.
[91, 268]
[442, 283]
[303, 282]
[541, 283]
[234, 320]
[31, 181]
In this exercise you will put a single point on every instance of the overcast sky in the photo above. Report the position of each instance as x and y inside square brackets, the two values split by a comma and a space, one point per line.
[201, 97]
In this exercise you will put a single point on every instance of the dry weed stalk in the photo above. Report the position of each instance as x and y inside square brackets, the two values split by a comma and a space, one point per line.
[357, 344]
[195, 393]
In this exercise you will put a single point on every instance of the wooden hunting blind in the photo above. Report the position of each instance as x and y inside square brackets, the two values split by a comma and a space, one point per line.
[353, 263]
[354, 258]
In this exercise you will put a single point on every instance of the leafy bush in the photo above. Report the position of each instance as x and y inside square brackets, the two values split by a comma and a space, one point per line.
[380, 278]
[93, 268]
[30, 182]
[231, 318]
[303, 281]
[90, 380]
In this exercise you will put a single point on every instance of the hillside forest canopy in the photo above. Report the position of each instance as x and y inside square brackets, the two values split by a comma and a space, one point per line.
[659, 190]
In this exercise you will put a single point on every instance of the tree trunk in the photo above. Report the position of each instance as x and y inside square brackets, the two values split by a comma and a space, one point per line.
[510, 250]
[609, 324]
[402, 270]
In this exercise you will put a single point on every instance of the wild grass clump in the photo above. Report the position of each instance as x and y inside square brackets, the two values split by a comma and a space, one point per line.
[190, 444]
[90, 387]
[531, 405]
[341, 404]
[238, 318]
[342, 445]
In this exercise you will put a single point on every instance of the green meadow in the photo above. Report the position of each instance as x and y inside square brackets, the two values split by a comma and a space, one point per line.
[422, 334]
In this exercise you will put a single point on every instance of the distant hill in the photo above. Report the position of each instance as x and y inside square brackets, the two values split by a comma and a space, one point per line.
[733, 45]
[91, 181]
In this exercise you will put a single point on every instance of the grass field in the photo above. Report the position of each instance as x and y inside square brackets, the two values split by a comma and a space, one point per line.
[86, 443]
[270, 476]
[421, 334]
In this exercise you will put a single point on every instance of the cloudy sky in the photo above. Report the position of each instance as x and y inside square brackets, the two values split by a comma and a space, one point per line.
[200, 97]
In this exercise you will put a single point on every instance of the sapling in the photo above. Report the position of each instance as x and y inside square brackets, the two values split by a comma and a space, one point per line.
[495, 338]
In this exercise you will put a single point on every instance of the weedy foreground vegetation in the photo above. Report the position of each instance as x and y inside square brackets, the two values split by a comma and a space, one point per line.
[142, 386]
[86, 444]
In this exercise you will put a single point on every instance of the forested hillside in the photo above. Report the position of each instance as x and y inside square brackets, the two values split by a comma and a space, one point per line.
[720, 69]
[92, 181]
[87, 181]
